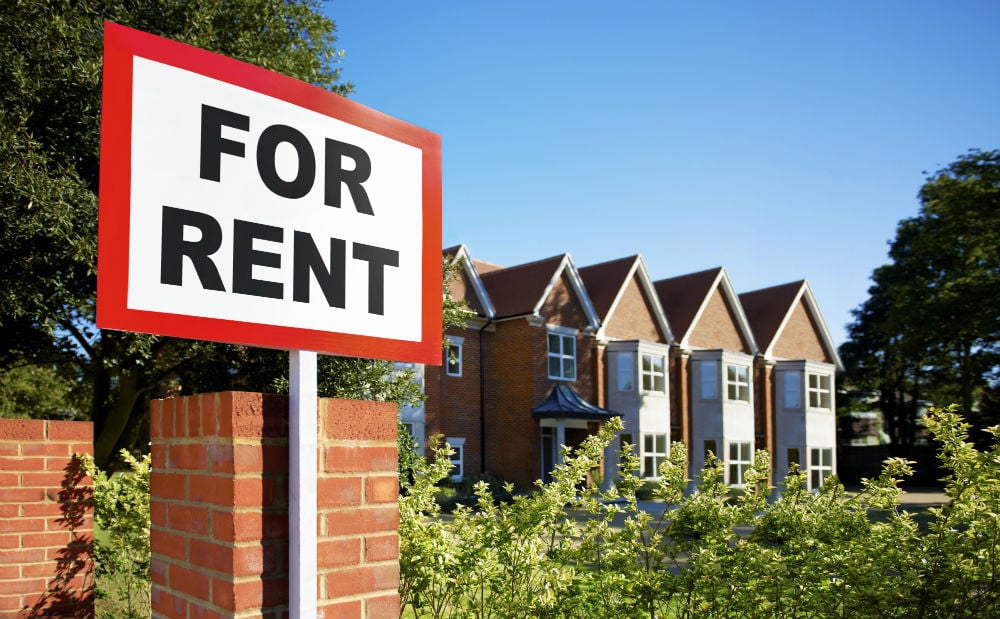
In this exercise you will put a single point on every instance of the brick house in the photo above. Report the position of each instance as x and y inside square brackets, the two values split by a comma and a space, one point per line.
[796, 378]
[633, 359]
[712, 370]
[544, 336]
[552, 351]
[454, 390]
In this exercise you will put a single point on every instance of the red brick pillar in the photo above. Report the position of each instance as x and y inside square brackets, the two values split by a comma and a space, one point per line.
[46, 520]
[220, 508]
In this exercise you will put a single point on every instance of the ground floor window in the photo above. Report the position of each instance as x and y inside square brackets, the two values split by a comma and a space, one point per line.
[740, 459]
[820, 467]
[794, 458]
[654, 452]
[457, 457]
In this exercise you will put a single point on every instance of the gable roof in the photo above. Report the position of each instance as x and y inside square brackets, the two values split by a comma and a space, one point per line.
[682, 297]
[769, 310]
[606, 282]
[469, 266]
[522, 289]
[685, 297]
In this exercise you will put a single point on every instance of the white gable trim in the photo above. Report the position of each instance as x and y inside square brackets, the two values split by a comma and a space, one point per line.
[574, 277]
[477, 283]
[639, 266]
[805, 293]
[742, 324]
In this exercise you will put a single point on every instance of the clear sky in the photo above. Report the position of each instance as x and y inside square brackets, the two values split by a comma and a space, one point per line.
[782, 139]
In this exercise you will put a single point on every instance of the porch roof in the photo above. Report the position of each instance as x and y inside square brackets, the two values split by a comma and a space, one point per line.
[564, 401]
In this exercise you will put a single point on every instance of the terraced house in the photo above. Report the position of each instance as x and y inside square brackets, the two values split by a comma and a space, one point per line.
[553, 351]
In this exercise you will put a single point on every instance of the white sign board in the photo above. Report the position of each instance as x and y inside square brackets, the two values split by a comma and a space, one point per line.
[242, 206]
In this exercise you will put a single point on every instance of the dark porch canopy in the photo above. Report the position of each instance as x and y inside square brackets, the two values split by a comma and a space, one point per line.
[563, 401]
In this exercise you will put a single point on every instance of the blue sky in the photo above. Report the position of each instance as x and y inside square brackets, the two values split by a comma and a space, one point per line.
[781, 139]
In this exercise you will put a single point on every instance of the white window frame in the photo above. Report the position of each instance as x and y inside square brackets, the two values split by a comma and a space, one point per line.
[820, 466]
[653, 454]
[792, 389]
[454, 343]
[741, 387]
[819, 393]
[652, 373]
[708, 379]
[457, 457]
[563, 335]
[736, 466]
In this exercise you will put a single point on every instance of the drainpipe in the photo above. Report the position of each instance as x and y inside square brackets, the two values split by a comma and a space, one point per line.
[482, 399]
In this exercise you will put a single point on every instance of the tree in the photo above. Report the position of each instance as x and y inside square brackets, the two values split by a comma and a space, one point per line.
[930, 329]
[50, 71]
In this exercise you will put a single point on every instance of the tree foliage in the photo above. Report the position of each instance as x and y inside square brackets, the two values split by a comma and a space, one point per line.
[930, 329]
[40, 392]
[50, 78]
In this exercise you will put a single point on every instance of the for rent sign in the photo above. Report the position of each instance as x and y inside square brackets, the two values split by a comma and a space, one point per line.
[243, 206]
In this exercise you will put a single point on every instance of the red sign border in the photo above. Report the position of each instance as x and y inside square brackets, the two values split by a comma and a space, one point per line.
[121, 44]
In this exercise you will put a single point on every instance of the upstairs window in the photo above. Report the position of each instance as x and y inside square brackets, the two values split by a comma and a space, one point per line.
[653, 373]
[562, 355]
[453, 357]
[709, 380]
[792, 389]
[626, 373]
[738, 383]
[820, 391]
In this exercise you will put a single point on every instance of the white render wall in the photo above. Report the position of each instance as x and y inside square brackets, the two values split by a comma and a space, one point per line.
[720, 419]
[803, 428]
[642, 412]
[414, 415]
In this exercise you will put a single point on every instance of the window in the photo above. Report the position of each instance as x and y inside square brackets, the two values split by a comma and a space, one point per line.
[793, 458]
[653, 375]
[793, 390]
[654, 452]
[709, 379]
[453, 357]
[457, 457]
[819, 391]
[624, 367]
[625, 440]
[711, 449]
[738, 383]
[820, 466]
[562, 356]
[739, 461]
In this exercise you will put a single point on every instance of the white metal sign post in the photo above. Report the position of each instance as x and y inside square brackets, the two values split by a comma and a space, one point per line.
[239, 205]
[302, 539]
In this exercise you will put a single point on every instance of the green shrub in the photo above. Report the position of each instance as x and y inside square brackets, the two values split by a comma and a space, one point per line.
[563, 552]
[121, 540]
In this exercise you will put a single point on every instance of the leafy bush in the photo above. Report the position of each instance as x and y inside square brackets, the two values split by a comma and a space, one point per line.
[566, 552]
[121, 540]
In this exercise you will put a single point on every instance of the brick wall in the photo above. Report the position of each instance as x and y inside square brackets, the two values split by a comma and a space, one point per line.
[633, 318]
[220, 507]
[800, 338]
[717, 327]
[46, 520]
[453, 402]
[515, 355]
